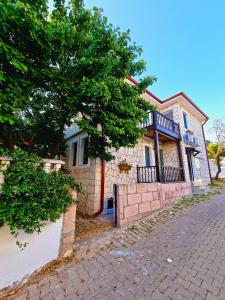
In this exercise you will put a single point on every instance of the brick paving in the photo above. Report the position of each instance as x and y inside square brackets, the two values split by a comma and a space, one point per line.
[184, 258]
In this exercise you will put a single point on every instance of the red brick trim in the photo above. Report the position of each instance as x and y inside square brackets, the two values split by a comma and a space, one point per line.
[171, 98]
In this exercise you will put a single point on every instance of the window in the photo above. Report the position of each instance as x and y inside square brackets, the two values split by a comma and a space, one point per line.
[79, 152]
[161, 156]
[186, 120]
[169, 114]
[75, 146]
[84, 149]
[148, 157]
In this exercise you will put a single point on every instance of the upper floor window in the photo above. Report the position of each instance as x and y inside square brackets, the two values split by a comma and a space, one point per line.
[79, 152]
[169, 114]
[186, 120]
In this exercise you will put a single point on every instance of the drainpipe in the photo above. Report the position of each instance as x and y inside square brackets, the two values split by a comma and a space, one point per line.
[102, 194]
[206, 152]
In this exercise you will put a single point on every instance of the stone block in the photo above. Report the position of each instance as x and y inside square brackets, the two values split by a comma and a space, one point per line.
[122, 222]
[142, 187]
[69, 220]
[165, 187]
[155, 205]
[122, 189]
[163, 196]
[156, 195]
[120, 205]
[132, 188]
[144, 207]
[124, 200]
[152, 187]
[131, 211]
[147, 197]
[172, 187]
[134, 199]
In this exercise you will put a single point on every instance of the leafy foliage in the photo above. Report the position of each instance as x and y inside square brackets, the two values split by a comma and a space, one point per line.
[70, 67]
[30, 197]
[23, 43]
[216, 151]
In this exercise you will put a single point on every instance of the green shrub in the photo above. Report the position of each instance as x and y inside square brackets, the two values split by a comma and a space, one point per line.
[31, 197]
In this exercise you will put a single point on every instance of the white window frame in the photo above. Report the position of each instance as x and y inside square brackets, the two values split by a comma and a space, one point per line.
[79, 160]
[187, 120]
[151, 151]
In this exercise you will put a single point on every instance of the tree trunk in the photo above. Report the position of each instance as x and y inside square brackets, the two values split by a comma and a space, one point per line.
[56, 149]
[218, 168]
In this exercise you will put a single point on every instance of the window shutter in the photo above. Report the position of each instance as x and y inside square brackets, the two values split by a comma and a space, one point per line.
[85, 151]
[75, 154]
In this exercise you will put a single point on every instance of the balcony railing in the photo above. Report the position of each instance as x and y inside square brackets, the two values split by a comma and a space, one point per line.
[156, 120]
[167, 174]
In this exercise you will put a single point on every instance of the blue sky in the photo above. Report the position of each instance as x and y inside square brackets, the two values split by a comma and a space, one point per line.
[183, 44]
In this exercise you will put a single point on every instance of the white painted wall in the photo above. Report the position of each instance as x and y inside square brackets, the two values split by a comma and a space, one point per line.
[42, 248]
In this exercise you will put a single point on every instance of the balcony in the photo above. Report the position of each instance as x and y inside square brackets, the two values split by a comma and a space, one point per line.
[167, 174]
[157, 121]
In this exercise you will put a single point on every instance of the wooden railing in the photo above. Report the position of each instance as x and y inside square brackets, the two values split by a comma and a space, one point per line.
[156, 120]
[167, 174]
[166, 123]
[172, 174]
[146, 174]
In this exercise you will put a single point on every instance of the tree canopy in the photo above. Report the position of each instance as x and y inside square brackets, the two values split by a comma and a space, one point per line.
[67, 66]
[216, 150]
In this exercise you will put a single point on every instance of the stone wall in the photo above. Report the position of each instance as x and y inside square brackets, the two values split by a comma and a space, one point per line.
[90, 178]
[134, 157]
[170, 154]
[136, 201]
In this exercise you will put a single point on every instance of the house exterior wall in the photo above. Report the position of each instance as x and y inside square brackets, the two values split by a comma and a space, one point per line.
[134, 156]
[90, 176]
[170, 154]
[200, 162]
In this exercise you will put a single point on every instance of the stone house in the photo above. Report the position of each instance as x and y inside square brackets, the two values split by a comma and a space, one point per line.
[172, 150]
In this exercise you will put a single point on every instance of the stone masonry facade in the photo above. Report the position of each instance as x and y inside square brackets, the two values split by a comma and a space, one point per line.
[90, 176]
[201, 169]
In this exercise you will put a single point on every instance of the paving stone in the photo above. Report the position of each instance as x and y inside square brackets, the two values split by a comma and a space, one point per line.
[162, 257]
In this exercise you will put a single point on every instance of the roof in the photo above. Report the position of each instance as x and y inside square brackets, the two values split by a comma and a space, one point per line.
[182, 94]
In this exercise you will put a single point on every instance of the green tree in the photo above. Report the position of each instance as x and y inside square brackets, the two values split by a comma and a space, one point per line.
[216, 151]
[23, 43]
[81, 80]
[30, 197]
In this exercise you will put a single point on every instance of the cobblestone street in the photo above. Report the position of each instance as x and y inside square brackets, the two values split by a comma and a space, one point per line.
[184, 258]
